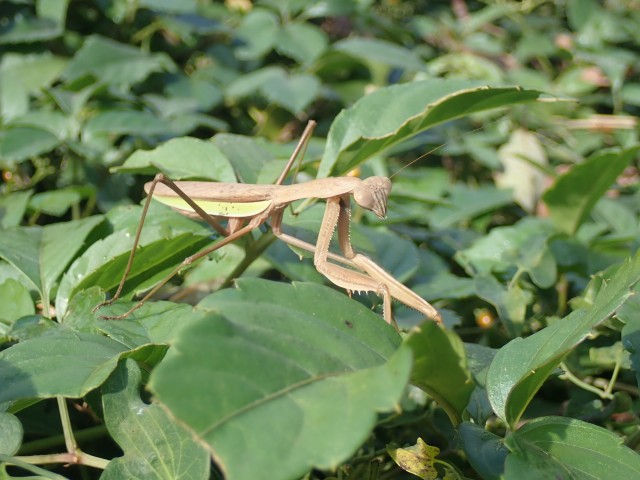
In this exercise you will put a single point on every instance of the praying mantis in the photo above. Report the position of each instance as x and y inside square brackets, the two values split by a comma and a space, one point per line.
[247, 206]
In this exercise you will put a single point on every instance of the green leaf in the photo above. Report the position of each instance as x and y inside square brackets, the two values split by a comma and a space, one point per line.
[520, 368]
[168, 6]
[440, 368]
[302, 367]
[510, 301]
[166, 240]
[153, 322]
[249, 156]
[29, 29]
[154, 445]
[293, 92]
[574, 194]
[23, 75]
[10, 433]
[181, 159]
[22, 143]
[57, 202]
[114, 63]
[42, 253]
[466, 203]
[16, 300]
[13, 207]
[303, 42]
[381, 51]
[609, 357]
[523, 245]
[258, 30]
[124, 122]
[362, 131]
[20, 247]
[64, 363]
[485, 451]
[630, 314]
[560, 447]
[56, 123]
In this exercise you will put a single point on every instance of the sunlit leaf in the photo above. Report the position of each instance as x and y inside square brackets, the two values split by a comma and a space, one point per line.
[520, 367]
[261, 371]
[154, 444]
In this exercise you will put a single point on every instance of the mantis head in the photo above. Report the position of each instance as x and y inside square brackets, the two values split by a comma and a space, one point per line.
[372, 194]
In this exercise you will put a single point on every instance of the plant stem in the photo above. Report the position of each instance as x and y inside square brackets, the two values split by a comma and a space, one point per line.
[257, 249]
[69, 439]
[584, 385]
[53, 441]
[77, 458]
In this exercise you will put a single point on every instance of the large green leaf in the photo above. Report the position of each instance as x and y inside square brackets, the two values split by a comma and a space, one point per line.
[257, 32]
[523, 245]
[63, 363]
[575, 193]
[293, 92]
[381, 51]
[485, 451]
[124, 122]
[304, 42]
[464, 204]
[167, 239]
[510, 301]
[154, 445]
[181, 159]
[15, 300]
[13, 207]
[520, 367]
[42, 253]
[567, 448]
[21, 143]
[153, 322]
[23, 75]
[440, 368]
[57, 202]
[114, 63]
[301, 367]
[393, 114]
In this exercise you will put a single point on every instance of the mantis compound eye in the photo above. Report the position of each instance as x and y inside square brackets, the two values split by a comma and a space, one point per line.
[372, 194]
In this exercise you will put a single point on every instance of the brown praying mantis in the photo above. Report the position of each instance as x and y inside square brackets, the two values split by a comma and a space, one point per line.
[255, 204]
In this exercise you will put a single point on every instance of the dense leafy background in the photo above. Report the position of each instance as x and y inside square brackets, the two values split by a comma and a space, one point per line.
[521, 224]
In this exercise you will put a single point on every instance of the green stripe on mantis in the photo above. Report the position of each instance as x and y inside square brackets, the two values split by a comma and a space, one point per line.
[217, 208]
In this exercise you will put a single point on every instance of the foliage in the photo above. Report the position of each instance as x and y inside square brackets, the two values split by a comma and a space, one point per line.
[521, 225]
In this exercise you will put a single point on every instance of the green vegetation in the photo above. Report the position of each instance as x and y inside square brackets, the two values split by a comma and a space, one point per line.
[521, 224]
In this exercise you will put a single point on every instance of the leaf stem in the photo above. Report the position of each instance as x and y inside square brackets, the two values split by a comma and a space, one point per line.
[614, 375]
[257, 248]
[77, 458]
[53, 441]
[582, 384]
[69, 439]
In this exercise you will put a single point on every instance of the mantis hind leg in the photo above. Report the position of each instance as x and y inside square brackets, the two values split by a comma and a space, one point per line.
[255, 222]
[229, 236]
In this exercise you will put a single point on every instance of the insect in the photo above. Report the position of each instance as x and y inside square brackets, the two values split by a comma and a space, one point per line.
[247, 206]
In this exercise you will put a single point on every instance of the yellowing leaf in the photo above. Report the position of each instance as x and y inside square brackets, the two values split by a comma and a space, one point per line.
[417, 460]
